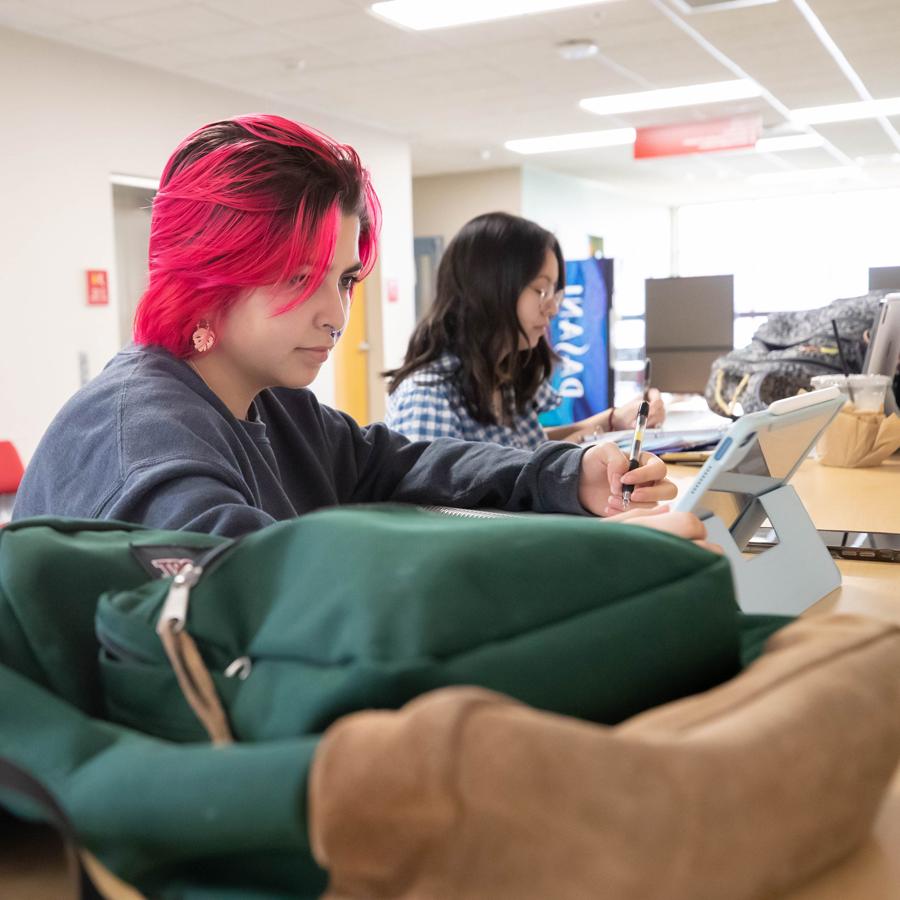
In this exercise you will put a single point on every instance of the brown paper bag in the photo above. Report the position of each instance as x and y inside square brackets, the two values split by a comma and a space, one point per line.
[859, 438]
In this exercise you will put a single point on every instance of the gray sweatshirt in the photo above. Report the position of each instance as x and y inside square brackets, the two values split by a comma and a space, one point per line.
[147, 441]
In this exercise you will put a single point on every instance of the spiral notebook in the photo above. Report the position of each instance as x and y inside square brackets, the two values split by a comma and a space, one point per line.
[662, 440]
[470, 513]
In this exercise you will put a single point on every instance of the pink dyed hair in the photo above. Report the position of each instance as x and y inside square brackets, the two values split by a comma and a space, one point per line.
[246, 202]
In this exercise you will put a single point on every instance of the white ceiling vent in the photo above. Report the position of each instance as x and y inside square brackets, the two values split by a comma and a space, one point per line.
[698, 6]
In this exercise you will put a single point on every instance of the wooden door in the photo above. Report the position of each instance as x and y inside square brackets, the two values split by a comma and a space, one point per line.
[351, 380]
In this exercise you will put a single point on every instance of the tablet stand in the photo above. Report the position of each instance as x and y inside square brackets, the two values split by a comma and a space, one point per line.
[784, 579]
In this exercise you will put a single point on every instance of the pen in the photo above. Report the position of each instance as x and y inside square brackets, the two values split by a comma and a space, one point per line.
[634, 457]
[647, 368]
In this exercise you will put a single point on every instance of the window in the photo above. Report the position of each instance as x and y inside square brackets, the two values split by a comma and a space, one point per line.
[785, 253]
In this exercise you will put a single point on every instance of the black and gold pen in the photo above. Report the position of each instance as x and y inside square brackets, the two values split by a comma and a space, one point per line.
[634, 457]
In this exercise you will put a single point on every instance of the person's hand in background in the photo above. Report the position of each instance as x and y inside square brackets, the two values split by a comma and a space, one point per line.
[623, 417]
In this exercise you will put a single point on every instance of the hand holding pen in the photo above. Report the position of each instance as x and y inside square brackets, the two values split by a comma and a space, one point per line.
[600, 486]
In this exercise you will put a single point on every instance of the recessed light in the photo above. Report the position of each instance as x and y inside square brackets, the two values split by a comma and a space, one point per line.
[421, 16]
[847, 112]
[583, 140]
[578, 49]
[836, 173]
[789, 142]
[667, 98]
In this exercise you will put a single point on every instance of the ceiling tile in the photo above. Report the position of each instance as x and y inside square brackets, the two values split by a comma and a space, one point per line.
[349, 27]
[775, 45]
[488, 34]
[163, 56]
[863, 138]
[267, 73]
[797, 90]
[607, 17]
[269, 12]
[868, 33]
[101, 37]
[27, 16]
[814, 158]
[178, 22]
[237, 44]
[90, 10]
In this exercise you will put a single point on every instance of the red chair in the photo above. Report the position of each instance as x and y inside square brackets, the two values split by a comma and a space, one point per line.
[11, 471]
[11, 468]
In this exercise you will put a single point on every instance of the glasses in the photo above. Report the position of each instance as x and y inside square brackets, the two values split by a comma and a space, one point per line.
[548, 299]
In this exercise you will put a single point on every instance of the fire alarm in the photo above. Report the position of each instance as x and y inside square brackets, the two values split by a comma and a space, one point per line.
[97, 287]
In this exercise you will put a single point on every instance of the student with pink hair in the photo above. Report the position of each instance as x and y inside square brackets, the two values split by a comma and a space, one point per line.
[260, 230]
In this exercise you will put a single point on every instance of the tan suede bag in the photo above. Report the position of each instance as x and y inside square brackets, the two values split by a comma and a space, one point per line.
[740, 792]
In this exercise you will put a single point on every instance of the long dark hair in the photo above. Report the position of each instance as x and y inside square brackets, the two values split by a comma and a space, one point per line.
[481, 276]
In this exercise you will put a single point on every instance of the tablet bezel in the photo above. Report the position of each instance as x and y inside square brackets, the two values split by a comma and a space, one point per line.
[740, 440]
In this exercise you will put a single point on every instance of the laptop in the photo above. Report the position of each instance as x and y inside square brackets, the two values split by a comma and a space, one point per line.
[883, 355]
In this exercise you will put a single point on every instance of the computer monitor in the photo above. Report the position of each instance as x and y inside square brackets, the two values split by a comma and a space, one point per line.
[884, 278]
[883, 355]
[690, 324]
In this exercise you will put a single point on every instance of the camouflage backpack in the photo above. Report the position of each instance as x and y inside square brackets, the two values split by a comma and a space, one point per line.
[787, 350]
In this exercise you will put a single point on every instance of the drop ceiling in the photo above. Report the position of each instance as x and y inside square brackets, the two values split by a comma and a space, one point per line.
[457, 94]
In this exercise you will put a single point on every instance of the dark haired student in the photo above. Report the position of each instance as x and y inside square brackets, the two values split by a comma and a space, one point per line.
[260, 230]
[478, 364]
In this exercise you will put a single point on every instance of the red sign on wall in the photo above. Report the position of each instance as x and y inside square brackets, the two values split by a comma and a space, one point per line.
[733, 133]
[97, 287]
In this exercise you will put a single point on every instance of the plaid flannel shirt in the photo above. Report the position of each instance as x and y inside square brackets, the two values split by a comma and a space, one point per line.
[428, 405]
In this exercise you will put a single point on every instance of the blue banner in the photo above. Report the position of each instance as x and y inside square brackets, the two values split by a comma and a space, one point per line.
[580, 336]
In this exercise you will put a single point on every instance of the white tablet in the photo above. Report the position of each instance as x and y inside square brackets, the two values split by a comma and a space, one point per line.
[759, 453]
[744, 482]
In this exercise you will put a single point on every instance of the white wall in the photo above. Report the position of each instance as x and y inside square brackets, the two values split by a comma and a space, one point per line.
[635, 233]
[70, 119]
[442, 204]
[792, 252]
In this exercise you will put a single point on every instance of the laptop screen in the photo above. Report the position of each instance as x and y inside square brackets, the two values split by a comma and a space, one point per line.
[883, 355]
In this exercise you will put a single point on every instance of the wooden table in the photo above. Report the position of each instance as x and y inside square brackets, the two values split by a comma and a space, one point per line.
[854, 500]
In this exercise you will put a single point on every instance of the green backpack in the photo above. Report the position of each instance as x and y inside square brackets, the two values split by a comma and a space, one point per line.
[314, 618]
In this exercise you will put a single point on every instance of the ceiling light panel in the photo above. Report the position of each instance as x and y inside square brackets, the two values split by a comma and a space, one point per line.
[847, 112]
[423, 15]
[789, 142]
[668, 98]
[835, 173]
[583, 140]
